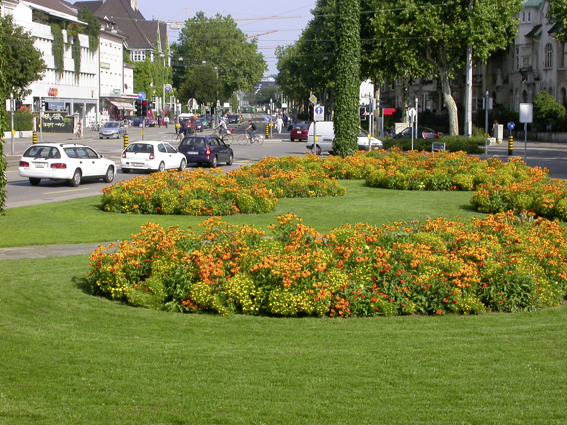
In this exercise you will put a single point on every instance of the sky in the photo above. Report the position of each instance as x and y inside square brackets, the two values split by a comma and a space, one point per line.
[248, 15]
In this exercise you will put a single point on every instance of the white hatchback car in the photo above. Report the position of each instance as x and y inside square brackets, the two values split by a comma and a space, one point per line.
[152, 156]
[65, 161]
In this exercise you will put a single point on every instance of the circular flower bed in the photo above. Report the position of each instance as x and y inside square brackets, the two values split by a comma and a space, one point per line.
[500, 263]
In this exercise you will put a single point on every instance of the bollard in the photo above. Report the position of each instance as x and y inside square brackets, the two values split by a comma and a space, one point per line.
[267, 131]
[126, 142]
[34, 137]
[510, 145]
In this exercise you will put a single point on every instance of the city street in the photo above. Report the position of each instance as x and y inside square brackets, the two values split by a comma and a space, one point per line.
[552, 156]
[20, 192]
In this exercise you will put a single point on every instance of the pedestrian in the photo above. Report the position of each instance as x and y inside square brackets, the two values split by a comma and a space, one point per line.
[285, 118]
[159, 121]
[166, 121]
[279, 123]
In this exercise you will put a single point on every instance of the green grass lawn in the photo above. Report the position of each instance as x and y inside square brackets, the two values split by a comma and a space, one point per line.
[81, 221]
[71, 358]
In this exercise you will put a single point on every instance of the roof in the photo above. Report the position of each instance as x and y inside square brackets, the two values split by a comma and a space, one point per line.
[535, 31]
[532, 3]
[142, 34]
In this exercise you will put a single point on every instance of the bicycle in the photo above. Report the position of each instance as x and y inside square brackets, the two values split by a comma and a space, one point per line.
[227, 137]
[244, 139]
[95, 126]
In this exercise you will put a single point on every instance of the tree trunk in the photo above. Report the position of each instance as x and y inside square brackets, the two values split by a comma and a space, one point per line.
[451, 105]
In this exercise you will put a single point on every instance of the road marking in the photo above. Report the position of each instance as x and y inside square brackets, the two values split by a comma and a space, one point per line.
[65, 191]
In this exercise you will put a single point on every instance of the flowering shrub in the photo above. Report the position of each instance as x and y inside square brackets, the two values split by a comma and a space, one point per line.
[499, 263]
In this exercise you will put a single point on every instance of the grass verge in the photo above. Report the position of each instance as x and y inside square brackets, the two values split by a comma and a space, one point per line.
[81, 221]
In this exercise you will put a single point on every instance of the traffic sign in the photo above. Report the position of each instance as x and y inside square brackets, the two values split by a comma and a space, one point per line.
[267, 118]
[312, 99]
[319, 112]
[511, 126]
[168, 87]
[141, 95]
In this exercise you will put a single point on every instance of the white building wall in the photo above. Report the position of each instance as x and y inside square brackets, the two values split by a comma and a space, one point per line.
[111, 65]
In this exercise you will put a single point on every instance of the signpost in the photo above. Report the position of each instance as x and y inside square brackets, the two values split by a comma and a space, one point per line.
[526, 116]
[318, 113]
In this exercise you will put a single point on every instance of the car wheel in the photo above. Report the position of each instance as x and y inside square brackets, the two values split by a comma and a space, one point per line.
[214, 162]
[293, 140]
[125, 170]
[101, 137]
[76, 179]
[182, 165]
[230, 159]
[161, 166]
[109, 176]
[34, 181]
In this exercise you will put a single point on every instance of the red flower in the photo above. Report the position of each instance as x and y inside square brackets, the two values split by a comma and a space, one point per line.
[439, 312]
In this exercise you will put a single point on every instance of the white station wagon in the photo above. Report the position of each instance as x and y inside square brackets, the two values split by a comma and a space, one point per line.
[65, 161]
[152, 156]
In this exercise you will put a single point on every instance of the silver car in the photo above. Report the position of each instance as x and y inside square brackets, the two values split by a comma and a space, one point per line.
[112, 129]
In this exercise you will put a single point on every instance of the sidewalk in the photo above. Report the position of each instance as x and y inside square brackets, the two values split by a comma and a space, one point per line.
[48, 251]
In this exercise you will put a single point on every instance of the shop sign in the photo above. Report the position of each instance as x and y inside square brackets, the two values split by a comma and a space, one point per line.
[53, 92]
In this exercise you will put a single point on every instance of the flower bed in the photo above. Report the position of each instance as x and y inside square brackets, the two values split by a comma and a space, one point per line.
[256, 188]
[500, 263]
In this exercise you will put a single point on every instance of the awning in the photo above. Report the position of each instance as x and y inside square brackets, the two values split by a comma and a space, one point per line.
[122, 105]
[535, 31]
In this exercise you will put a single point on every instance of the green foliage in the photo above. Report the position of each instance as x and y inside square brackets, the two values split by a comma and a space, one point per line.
[58, 48]
[93, 27]
[25, 61]
[73, 30]
[150, 77]
[452, 143]
[218, 42]
[202, 84]
[347, 84]
[23, 119]
[3, 163]
[547, 112]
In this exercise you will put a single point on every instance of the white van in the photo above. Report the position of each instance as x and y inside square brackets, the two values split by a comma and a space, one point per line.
[325, 133]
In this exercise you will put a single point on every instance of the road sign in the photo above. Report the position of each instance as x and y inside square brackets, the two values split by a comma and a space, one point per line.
[526, 112]
[141, 95]
[319, 113]
[511, 126]
[312, 99]
[267, 118]
[168, 87]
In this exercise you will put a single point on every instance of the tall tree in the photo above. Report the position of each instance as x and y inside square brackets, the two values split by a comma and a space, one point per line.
[25, 61]
[557, 13]
[219, 43]
[437, 34]
[347, 83]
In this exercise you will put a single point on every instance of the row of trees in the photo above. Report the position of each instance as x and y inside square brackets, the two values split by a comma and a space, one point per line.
[396, 40]
[213, 59]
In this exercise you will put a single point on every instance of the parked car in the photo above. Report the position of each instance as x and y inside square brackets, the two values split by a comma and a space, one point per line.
[326, 133]
[206, 150]
[151, 156]
[422, 133]
[208, 117]
[112, 129]
[204, 122]
[73, 162]
[233, 119]
[299, 132]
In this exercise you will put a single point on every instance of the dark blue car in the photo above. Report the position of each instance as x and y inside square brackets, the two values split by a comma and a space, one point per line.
[206, 150]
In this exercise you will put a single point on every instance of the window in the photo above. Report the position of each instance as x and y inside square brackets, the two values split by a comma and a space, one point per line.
[548, 58]
[526, 17]
[138, 55]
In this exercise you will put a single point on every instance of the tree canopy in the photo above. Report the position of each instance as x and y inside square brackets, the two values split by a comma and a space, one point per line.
[25, 61]
[216, 43]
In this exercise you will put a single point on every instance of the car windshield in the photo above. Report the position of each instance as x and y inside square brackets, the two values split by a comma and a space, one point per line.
[112, 124]
[193, 142]
[301, 127]
[45, 152]
[140, 147]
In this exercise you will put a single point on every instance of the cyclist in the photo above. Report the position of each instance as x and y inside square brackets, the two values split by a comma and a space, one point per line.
[222, 128]
[251, 131]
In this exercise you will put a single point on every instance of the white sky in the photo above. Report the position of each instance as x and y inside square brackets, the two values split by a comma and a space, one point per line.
[287, 30]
